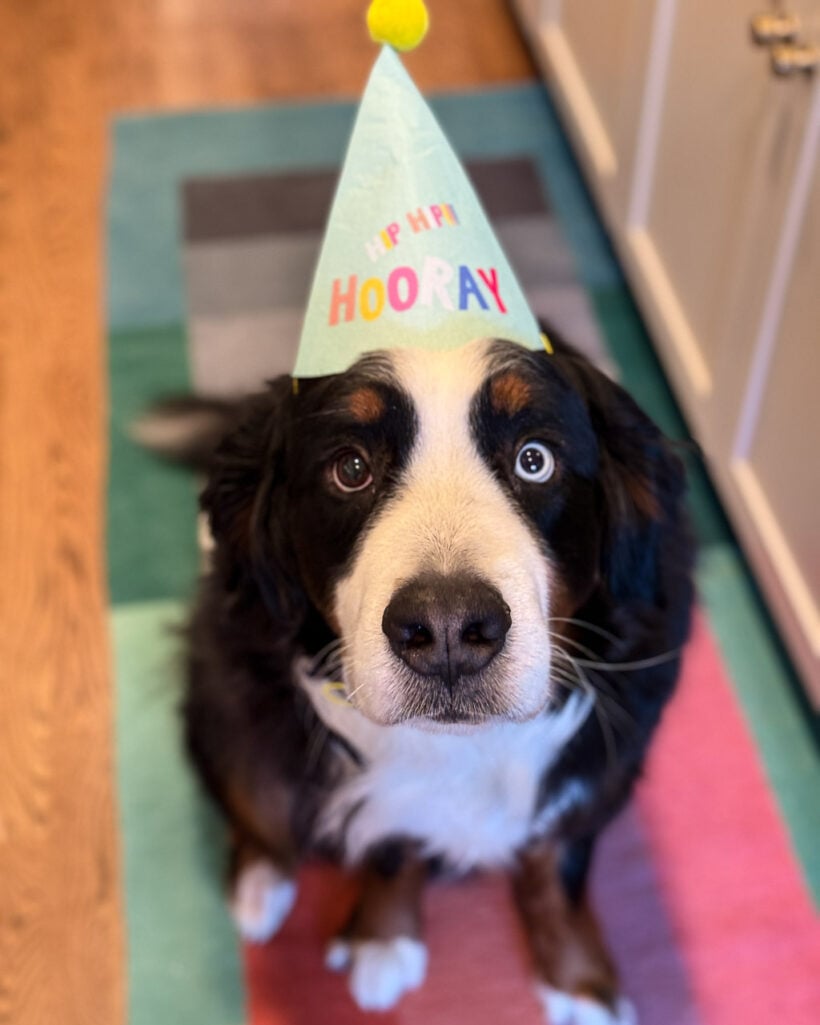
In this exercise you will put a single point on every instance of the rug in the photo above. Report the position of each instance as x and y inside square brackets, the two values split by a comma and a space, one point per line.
[704, 885]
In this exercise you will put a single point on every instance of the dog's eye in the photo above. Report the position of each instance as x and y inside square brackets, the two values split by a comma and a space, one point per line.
[351, 471]
[534, 462]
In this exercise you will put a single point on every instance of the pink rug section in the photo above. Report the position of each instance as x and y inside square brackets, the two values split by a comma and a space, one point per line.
[477, 969]
[743, 918]
[699, 892]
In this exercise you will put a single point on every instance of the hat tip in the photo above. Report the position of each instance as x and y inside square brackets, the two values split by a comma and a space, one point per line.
[401, 24]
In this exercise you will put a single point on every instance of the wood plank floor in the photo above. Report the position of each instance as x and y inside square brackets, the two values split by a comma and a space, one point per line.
[65, 67]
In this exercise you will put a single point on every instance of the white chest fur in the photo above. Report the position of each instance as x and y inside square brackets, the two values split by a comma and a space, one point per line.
[469, 796]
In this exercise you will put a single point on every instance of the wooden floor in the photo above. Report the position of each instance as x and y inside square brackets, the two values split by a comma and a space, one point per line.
[65, 67]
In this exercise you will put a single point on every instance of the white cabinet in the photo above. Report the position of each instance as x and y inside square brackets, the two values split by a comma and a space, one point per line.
[597, 50]
[705, 165]
[773, 458]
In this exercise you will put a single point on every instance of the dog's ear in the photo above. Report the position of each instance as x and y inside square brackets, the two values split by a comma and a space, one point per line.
[642, 482]
[245, 502]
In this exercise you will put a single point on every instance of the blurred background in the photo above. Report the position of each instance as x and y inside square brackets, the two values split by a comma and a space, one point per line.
[695, 126]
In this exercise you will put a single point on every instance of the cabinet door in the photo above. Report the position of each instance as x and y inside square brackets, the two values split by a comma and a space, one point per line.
[725, 242]
[776, 463]
[596, 53]
[707, 211]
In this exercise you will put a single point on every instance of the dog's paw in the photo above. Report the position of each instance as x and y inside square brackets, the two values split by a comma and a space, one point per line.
[381, 971]
[568, 1009]
[261, 901]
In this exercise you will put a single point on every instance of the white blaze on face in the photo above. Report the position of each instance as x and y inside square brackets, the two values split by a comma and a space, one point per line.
[449, 514]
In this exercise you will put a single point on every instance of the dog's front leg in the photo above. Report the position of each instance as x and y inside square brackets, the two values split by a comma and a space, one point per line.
[578, 984]
[264, 856]
[382, 944]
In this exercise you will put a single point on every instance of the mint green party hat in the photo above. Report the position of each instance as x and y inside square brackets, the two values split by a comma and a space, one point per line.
[409, 258]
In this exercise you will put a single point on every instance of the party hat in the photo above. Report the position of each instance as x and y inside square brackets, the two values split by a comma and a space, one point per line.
[409, 258]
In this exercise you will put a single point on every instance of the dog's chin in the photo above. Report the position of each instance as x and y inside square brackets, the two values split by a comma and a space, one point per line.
[460, 726]
[435, 709]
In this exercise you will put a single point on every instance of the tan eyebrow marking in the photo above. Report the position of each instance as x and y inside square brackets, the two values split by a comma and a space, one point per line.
[366, 405]
[510, 393]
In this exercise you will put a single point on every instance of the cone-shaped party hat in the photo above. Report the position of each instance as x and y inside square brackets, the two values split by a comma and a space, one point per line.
[409, 258]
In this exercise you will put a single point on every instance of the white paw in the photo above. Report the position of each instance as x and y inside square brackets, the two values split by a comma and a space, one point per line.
[262, 898]
[381, 971]
[566, 1009]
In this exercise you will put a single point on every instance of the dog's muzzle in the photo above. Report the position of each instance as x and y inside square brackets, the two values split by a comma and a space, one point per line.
[446, 627]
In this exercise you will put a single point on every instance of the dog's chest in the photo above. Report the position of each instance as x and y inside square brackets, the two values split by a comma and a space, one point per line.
[469, 796]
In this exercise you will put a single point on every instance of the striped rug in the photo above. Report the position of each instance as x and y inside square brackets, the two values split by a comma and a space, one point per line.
[705, 884]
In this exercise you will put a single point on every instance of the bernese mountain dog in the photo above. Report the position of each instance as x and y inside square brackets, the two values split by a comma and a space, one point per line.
[445, 608]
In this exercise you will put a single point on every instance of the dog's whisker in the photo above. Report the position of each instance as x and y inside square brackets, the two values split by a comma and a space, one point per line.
[592, 627]
[316, 744]
[641, 663]
[356, 690]
[558, 641]
[603, 687]
[595, 662]
[610, 712]
[611, 704]
[603, 719]
[332, 646]
[330, 659]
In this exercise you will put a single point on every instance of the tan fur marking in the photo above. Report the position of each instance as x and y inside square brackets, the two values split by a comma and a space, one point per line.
[565, 940]
[510, 393]
[640, 491]
[390, 907]
[366, 405]
[261, 818]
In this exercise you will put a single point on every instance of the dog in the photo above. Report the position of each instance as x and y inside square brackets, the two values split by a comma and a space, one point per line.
[445, 608]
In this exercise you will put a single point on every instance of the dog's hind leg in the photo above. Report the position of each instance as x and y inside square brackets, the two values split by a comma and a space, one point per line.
[382, 945]
[577, 981]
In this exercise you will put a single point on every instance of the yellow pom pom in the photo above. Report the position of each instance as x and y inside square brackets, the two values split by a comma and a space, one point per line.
[401, 24]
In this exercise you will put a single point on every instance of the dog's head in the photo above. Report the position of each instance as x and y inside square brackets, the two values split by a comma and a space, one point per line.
[445, 513]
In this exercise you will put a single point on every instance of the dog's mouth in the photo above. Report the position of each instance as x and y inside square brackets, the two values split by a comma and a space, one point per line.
[423, 700]
[430, 702]
[449, 714]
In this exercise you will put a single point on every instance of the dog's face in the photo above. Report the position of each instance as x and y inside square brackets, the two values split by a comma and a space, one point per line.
[443, 478]
[446, 513]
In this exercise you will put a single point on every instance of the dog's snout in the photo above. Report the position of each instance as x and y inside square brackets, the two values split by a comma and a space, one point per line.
[447, 626]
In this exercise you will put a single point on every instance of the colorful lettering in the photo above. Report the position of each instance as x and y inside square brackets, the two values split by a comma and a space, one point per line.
[385, 240]
[490, 279]
[435, 275]
[376, 248]
[418, 221]
[347, 299]
[467, 286]
[406, 287]
[409, 276]
[372, 287]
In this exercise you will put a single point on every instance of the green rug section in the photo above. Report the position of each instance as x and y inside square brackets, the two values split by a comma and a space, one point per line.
[151, 506]
[183, 956]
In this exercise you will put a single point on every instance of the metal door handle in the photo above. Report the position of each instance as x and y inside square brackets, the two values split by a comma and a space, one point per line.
[774, 27]
[791, 58]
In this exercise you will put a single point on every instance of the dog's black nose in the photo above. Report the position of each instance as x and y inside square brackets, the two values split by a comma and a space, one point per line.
[446, 626]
